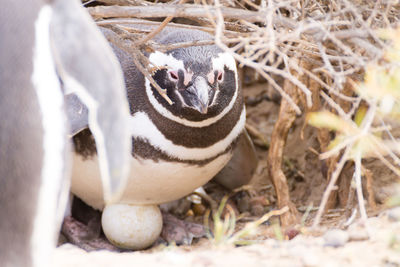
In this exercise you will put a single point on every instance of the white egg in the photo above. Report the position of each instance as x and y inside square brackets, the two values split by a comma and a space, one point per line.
[132, 226]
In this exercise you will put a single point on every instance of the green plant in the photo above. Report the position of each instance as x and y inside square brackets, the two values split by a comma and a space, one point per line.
[223, 232]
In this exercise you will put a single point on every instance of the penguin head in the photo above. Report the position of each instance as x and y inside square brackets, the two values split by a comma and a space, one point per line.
[200, 80]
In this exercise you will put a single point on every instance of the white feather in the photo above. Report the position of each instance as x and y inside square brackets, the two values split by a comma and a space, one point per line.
[224, 59]
[197, 124]
[45, 81]
[160, 59]
[143, 127]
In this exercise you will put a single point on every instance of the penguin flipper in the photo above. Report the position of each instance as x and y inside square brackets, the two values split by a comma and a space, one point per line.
[88, 68]
[77, 114]
[241, 167]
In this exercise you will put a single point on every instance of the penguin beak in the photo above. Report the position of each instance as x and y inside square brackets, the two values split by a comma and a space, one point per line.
[200, 89]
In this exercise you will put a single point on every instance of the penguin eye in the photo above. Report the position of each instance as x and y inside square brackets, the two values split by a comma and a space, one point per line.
[173, 75]
[220, 76]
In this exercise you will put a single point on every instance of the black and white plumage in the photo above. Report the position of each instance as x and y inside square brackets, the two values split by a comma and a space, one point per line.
[178, 147]
[34, 145]
[89, 70]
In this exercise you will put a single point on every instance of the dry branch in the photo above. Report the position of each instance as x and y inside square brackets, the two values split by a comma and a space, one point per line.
[184, 11]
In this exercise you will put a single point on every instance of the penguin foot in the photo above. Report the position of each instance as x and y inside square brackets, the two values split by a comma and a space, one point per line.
[180, 232]
[84, 236]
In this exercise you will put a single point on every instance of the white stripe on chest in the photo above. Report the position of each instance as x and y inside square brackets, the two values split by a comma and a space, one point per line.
[161, 60]
[143, 127]
[149, 182]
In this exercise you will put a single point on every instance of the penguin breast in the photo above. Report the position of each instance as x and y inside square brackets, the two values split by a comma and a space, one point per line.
[150, 182]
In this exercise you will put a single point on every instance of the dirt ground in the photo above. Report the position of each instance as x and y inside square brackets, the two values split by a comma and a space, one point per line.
[304, 250]
[325, 246]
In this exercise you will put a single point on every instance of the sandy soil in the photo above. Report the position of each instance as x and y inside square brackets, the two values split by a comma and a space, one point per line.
[321, 247]
[382, 249]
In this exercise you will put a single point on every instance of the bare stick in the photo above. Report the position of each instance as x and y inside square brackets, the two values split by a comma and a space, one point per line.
[330, 187]
[124, 2]
[158, 29]
[185, 11]
[360, 197]
[137, 55]
[131, 24]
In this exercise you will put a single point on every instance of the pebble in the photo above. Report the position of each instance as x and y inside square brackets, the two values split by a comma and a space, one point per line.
[336, 238]
[394, 214]
[199, 209]
[178, 207]
[258, 205]
[357, 233]
[243, 201]
[291, 233]
[257, 210]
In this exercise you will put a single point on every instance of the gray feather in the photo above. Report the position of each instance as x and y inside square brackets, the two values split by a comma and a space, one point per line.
[77, 114]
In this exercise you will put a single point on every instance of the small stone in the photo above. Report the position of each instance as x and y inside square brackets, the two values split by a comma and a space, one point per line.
[394, 214]
[336, 238]
[257, 210]
[199, 209]
[291, 233]
[357, 233]
[258, 205]
[180, 232]
[189, 213]
[243, 202]
[178, 207]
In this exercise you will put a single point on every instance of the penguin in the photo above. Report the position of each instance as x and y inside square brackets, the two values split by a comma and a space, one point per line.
[181, 146]
[40, 42]
[97, 82]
